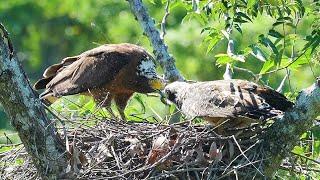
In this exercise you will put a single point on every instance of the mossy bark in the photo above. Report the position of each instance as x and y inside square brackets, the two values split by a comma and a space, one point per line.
[284, 134]
[27, 115]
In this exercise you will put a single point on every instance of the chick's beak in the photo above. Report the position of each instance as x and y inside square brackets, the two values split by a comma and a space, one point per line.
[164, 98]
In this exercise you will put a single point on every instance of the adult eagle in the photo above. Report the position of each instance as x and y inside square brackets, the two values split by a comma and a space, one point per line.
[234, 103]
[108, 72]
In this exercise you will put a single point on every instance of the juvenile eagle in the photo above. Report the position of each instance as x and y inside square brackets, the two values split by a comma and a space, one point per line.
[108, 72]
[235, 103]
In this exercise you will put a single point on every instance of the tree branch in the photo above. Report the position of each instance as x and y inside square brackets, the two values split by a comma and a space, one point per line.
[167, 62]
[27, 115]
[283, 135]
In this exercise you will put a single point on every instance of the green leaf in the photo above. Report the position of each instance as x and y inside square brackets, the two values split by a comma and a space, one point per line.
[250, 3]
[205, 29]
[304, 59]
[243, 15]
[139, 99]
[221, 55]
[223, 59]
[268, 43]
[239, 20]
[266, 66]
[213, 43]
[275, 33]
[238, 28]
[298, 150]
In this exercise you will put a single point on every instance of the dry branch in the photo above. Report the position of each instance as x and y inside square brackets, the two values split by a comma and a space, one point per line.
[160, 49]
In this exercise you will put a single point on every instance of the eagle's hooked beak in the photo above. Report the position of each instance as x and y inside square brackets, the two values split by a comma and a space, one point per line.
[157, 83]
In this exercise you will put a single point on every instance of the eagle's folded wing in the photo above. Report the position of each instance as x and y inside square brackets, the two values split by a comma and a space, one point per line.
[89, 71]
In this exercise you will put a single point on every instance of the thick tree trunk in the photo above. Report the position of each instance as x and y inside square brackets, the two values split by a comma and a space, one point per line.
[27, 115]
[160, 49]
[284, 134]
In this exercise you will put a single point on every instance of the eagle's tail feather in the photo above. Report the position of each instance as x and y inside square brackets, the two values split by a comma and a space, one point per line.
[41, 83]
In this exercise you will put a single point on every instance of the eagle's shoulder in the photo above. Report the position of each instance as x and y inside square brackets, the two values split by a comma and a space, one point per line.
[118, 49]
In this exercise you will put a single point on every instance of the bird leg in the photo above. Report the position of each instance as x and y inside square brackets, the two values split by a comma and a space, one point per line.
[113, 116]
[121, 101]
[103, 98]
[122, 115]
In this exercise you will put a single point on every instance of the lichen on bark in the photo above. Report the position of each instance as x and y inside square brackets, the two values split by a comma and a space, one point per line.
[166, 61]
[27, 115]
[284, 134]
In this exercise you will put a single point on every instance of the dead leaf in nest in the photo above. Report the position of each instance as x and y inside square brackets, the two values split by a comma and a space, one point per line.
[200, 154]
[103, 148]
[188, 156]
[215, 154]
[160, 148]
[231, 149]
[136, 147]
[76, 159]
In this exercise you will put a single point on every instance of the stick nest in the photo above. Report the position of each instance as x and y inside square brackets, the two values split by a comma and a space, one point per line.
[117, 150]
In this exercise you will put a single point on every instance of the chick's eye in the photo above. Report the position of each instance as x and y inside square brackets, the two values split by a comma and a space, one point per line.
[171, 96]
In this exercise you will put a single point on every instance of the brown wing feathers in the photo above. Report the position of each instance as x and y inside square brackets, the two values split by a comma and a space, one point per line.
[52, 71]
[227, 98]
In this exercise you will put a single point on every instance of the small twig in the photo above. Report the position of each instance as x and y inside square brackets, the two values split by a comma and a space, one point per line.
[289, 168]
[302, 156]
[243, 154]
[280, 88]
[7, 138]
[239, 156]
[115, 157]
[228, 72]
[164, 20]
[282, 68]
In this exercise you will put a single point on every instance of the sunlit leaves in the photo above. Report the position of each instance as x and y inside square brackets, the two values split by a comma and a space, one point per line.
[214, 36]
[268, 43]
[313, 40]
[223, 59]
[266, 66]
[200, 17]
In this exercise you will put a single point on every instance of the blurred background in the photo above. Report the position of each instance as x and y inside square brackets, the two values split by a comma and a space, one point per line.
[44, 32]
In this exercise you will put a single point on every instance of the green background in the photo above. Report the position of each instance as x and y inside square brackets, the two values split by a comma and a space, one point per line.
[44, 32]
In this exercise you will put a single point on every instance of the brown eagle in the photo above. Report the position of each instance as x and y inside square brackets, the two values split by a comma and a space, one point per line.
[235, 103]
[108, 72]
